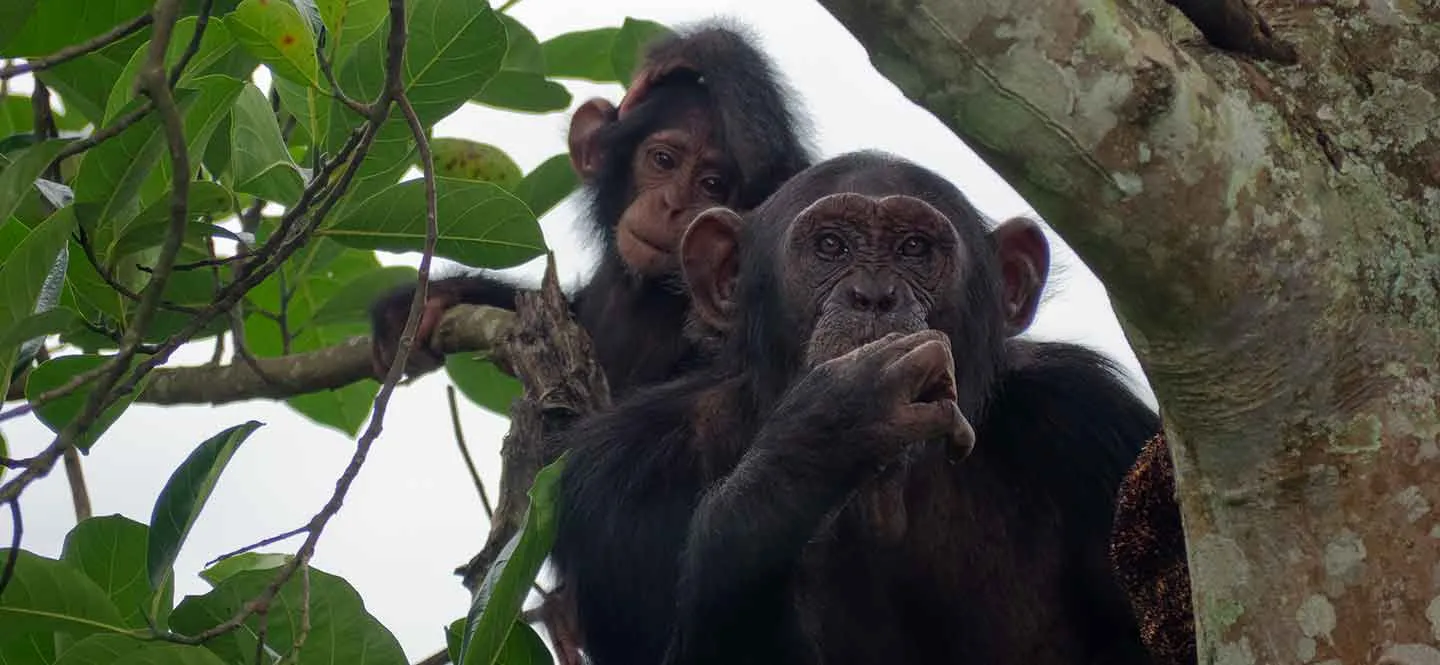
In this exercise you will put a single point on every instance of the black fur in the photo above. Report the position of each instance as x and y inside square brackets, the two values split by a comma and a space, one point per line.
[685, 541]
[637, 324]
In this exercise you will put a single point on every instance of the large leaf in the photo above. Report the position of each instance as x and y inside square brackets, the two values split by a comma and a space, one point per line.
[628, 48]
[17, 179]
[347, 23]
[230, 566]
[523, 645]
[111, 551]
[13, 16]
[481, 225]
[170, 654]
[215, 45]
[58, 413]
[184, 495]
[482, 382]
[55, 24]
[16, 115]
[108, 186]
[548, 184]
[472, 160]
[497, 603]
[259, 162]
[279, 36]
[23, 278]
[45, 597]
[523, 91]
[205, 104]
[352, 302]
[99, 649]
[341, 631]
[148, 229]
[85, 83]
[581, 55]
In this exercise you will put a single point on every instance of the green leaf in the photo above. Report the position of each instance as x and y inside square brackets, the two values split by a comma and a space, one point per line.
[55, 24]
[110, 179]
[581, 55]
[99, 649]
[58, 413]
[13, 16]
[228, 567]
[259, 162]
[215, 45]
[51, 322]
[206, 198]
[548, 184]
[497, 603]
[16, 116]
[22, 280]
[207, 102]
[455, 47]
[483, 383]
[4, 452]
[185, 494]
[17, 179]
[344, 409]
[349, 22]
[279, 36]
[170, 654]
[341, 631]
[523, 52]
[473, 160]
[311, 109]
[352, 302]
[85, 83]
[46, 597]
[523, 91]
[523, 645]
[481, 225]
[628, 50]
[111, 551]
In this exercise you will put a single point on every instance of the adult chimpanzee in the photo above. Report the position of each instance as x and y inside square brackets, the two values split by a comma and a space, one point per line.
[802, 499]
[706, 122]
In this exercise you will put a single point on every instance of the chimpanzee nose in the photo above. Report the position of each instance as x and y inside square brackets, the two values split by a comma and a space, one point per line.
[870, 293]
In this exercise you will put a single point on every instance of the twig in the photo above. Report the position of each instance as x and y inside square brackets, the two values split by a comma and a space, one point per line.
[105, 133]
[335, 90]
[465, 452]
[194, 46]
[257, 545]
[68, 53]
[83, 239]
[45, 125]
[79, 494]
[13, 556]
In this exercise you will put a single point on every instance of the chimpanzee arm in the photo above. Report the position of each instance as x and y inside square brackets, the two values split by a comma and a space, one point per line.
[745, 539]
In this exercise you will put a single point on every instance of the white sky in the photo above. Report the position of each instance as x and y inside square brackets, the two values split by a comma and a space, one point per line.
[413, 514]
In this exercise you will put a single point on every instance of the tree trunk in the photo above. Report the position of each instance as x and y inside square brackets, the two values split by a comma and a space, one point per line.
[1265, 218]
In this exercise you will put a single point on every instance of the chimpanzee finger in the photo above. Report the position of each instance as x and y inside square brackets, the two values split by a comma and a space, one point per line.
[883, 352]
[926, 373]
[923, 421]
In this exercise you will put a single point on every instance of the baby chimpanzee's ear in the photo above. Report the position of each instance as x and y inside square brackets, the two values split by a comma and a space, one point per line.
[710, 261]
[1024, 264]
[585, 127]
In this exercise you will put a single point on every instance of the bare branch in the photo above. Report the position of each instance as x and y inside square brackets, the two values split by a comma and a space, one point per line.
[193, 47]
[79, 494]
[68, 53]
[465, 452]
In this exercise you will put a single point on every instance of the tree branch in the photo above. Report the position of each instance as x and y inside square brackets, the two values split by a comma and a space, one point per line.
[68, 53]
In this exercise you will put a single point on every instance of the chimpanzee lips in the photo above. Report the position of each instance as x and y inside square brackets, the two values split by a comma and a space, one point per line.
[840, 331]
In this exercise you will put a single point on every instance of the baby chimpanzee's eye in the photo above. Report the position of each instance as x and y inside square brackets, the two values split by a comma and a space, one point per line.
[915, 246]
[663, 159]
[830, 245]
[714, 187]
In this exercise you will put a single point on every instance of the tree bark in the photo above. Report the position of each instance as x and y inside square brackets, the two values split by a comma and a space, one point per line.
[1265, 219]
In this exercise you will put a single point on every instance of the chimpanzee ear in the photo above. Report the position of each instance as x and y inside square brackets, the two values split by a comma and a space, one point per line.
[1024, 266]
[710, 261]
[585, 127]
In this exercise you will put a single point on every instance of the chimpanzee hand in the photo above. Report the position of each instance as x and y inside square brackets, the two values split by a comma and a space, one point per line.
[387, 319]
[887, 394]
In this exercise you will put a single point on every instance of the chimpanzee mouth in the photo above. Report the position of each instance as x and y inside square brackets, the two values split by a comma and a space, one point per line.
[838, 333]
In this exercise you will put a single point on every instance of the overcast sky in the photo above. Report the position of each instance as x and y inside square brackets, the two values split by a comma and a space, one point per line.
[413, 514]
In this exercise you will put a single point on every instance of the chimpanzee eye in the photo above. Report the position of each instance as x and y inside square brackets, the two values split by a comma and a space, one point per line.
[914, 247]
[663, 159]
[830, 245]
[714, 187]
